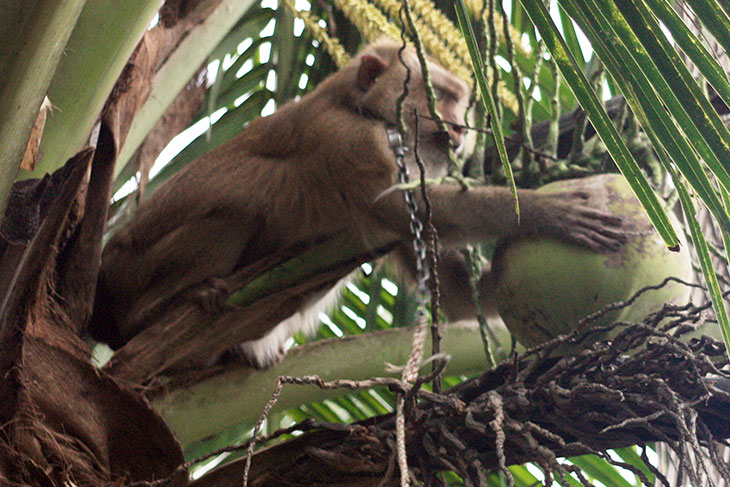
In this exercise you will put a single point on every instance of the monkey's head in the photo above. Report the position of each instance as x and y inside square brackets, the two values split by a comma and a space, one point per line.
[380, 74]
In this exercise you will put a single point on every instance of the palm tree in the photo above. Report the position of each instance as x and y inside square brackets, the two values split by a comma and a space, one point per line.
[93, 91]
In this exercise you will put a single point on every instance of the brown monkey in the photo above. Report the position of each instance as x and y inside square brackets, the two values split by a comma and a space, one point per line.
[316, 167]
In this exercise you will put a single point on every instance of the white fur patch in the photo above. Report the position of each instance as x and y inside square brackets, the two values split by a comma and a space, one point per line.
[269, 349]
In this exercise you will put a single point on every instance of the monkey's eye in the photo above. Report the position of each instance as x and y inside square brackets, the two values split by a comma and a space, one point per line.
[444, 94]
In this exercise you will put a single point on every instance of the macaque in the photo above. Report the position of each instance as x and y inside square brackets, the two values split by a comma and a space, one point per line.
[316, 167]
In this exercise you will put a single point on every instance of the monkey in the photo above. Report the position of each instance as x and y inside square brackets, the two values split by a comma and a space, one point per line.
[319, 166]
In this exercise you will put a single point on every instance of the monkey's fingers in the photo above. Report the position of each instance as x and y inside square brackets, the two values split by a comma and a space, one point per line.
[603, 217]
[600, 216]
[603, 231]
[596, 239]
[592, 243]
[604, 242]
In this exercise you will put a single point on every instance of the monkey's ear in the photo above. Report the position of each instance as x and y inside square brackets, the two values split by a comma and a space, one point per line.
[370, 68]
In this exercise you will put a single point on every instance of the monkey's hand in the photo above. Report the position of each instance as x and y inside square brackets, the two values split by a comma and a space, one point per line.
[569, 217]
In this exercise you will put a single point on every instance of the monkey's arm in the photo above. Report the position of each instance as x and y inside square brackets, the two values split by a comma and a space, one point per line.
[463, 216]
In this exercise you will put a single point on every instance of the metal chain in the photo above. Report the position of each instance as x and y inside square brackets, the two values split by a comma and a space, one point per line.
[419, 244]
[410, 371]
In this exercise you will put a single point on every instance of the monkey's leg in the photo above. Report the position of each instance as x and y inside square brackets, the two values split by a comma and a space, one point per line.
[456, 298]
[189, 263]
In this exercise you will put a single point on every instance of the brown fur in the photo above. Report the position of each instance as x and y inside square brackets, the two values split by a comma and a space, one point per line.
[314, 168]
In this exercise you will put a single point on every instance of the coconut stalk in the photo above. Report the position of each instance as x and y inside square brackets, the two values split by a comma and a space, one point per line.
[101, 43]
[238, 395]
[33, 36]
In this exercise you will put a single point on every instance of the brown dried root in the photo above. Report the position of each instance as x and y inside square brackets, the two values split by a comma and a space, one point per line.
[643, 386]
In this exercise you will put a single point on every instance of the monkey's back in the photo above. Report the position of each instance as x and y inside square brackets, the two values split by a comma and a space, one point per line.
[280, 182]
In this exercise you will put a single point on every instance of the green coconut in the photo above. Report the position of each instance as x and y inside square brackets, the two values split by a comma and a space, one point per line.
[545, 287]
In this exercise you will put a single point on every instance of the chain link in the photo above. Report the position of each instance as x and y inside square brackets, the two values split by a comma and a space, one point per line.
[419, 244]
